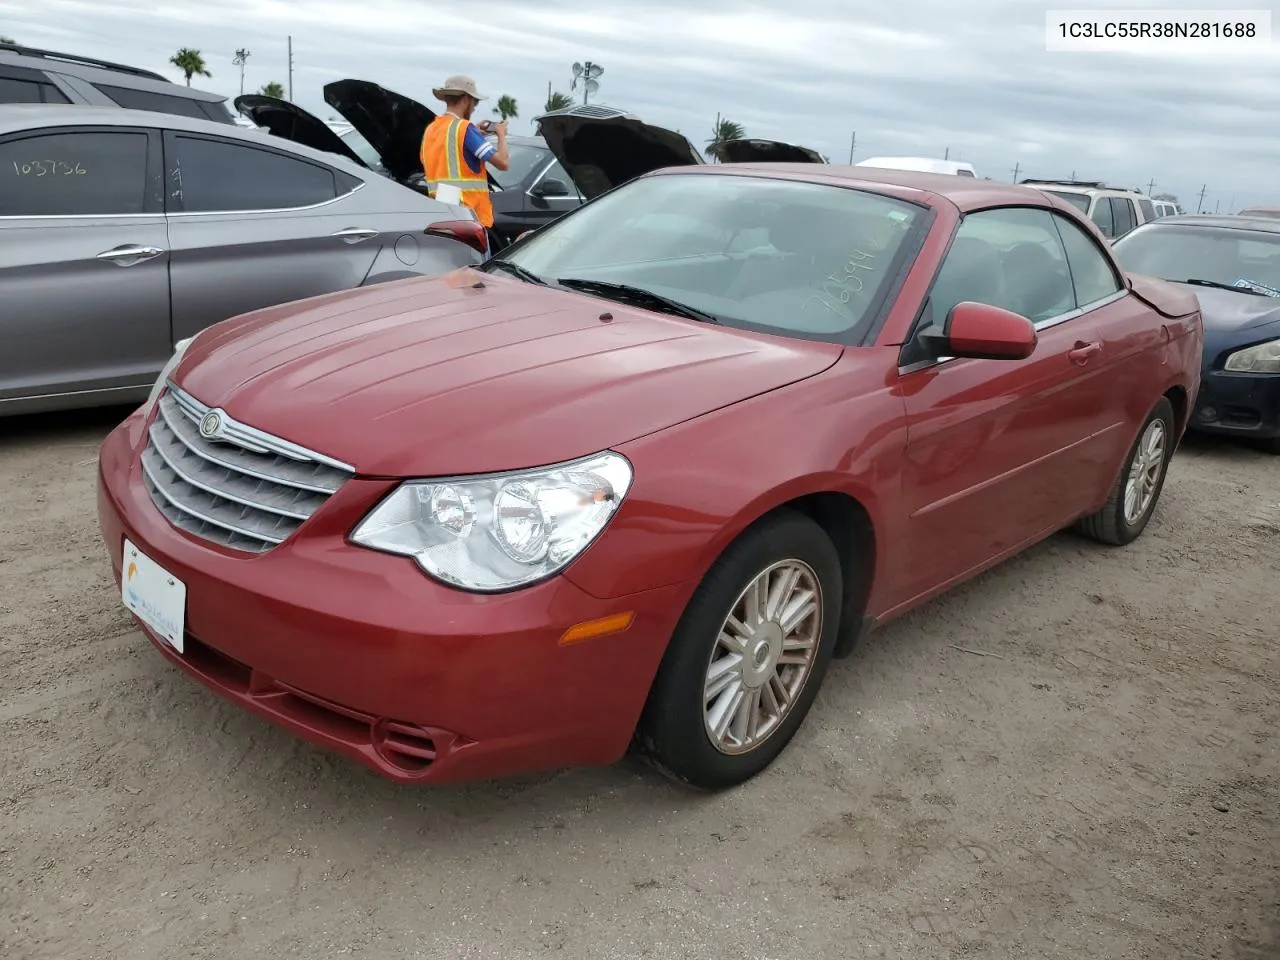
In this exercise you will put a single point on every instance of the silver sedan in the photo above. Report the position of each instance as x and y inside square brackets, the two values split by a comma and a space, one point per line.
[123, 232]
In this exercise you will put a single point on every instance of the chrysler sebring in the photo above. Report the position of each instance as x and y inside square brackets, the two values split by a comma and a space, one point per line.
[635, 483]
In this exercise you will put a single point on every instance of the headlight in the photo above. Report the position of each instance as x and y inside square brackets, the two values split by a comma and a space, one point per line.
[1263, 358]
[179, 349]
[496, 532]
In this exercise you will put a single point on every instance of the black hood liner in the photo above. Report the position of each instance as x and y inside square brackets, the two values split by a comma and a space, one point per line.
[392, 123]
[766, 151]
[290, 122]
[603, 154]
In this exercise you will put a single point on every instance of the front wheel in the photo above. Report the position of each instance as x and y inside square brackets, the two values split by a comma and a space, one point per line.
[1133, 499]
[748, 656]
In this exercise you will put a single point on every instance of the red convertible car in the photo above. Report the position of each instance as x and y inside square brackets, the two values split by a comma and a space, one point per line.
[637, 482]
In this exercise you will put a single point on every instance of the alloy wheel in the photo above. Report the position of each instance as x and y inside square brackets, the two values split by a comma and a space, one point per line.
[1144, 472]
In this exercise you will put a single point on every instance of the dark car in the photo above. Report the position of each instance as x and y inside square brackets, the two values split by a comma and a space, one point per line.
[387, 138]
[603, 147]
[1233, 264]
[31, 75]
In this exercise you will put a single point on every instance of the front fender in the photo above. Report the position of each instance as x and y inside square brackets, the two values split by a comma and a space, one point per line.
[700, 484]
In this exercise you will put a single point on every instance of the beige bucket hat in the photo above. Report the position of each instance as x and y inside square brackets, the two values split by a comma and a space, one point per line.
[456, 85]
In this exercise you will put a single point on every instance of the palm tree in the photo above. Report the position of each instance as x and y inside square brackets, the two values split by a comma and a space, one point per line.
[558, 101]
[240, 59]
[506, 107]
[272, 89]
[723, 131]
[190, 63]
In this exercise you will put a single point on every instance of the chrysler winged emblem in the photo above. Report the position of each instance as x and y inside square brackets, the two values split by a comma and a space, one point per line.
[210, 425]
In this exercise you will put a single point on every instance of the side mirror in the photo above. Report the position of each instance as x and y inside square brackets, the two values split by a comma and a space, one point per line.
[551, 187]
[980, 331]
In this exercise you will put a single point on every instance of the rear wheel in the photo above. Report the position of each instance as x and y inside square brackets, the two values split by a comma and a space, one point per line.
[1133, 498]
[748, 656]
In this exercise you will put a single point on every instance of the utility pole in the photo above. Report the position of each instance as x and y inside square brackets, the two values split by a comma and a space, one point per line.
[853, 142]
[946, 155]
[1016, 168]
[290, 68]
[1151, 187]
[1200, 206]
[1073, 174]
[241, 57]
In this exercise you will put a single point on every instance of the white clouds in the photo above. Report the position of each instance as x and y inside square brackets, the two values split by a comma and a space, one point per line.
[913, 76]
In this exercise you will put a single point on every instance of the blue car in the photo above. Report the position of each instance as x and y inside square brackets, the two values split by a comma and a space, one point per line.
[1233, 262]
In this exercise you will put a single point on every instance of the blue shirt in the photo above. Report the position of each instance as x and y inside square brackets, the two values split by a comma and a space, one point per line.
[476, 148]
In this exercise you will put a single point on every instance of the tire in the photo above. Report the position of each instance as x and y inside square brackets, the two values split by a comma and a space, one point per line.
[675, 733]
[1114, 524]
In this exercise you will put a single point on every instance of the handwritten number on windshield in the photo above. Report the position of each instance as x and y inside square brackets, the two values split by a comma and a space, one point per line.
[838, 289]
[48, 168]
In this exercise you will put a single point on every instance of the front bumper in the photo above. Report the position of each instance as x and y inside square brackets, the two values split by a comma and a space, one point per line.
[362, 653]
[1238, 405]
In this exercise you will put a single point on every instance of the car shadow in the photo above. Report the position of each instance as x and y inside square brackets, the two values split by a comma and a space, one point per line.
[61, 428]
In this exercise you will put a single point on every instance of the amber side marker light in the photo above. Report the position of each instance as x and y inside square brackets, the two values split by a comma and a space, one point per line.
[590, 629]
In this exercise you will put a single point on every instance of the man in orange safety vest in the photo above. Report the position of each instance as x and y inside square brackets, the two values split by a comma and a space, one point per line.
[455, 151]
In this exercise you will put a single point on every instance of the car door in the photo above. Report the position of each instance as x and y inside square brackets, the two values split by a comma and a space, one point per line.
[1126, 344]
[252, 226]
[998, 451]
[84, 284]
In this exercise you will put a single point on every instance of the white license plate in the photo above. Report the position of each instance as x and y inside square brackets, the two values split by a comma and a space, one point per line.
[154, 595]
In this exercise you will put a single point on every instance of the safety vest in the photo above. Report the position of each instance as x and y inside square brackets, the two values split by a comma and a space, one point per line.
[444, 161]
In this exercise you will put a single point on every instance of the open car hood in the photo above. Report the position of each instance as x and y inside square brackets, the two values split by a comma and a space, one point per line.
[291, 122]
[767, 151]
[393, 124]
[604, 148]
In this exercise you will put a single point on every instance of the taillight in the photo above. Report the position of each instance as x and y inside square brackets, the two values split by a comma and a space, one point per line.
[467, 231]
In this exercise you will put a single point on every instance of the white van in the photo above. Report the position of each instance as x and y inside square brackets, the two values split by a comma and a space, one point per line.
[920, 165]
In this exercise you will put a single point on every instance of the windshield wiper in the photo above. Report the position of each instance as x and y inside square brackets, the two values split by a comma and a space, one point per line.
[518, 271]
[1223, 286]
[639, 296]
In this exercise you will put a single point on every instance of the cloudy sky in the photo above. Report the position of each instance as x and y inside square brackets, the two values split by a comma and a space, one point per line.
[911, 77]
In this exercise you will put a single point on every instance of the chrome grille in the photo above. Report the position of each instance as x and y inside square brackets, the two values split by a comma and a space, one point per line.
[242, 488]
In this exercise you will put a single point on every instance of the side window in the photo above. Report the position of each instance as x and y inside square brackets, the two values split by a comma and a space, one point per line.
[219, 175]
[28, 86]
[1011, 258]
[74, 174]
[132, 99]
[1103, 217]
[1122, 210]
[1148, 210]
[1091, 271]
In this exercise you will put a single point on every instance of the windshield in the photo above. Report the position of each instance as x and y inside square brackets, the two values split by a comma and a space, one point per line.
[1078, 200]
[524, 159]
[778, 256]
[1175, 252]
[362, 148]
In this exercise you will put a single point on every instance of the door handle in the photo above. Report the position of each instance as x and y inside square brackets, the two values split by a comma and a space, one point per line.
[1082, 351]
[355, 234]
[128, 255]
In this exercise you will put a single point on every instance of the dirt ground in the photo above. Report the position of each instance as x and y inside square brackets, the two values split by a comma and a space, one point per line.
[1073, 757]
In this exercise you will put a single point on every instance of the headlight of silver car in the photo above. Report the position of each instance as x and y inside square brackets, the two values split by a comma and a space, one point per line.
[500, 531]
[1261, 358]
[179, 349]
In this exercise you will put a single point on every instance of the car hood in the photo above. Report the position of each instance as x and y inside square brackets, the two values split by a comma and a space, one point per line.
[291, 122]
[392, 123]
[476, 373]
[1231, 317]
[601, 154]
[767, 151]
